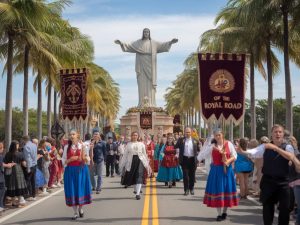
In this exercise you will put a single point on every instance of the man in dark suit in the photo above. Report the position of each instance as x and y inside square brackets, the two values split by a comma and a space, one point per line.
[111, 152]
[188, 150]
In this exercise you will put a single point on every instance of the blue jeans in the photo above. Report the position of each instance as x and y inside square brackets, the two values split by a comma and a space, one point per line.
[297, 199]
[98, 172]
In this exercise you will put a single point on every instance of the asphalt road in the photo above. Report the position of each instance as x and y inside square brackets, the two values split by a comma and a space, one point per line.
[118, 206]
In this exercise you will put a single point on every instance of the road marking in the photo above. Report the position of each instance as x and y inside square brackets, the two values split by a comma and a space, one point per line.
[29, 206]
[145, 217]
[155, 220]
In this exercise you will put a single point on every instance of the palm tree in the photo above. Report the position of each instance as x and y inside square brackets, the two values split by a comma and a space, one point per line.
[14, 23]
[243, 30]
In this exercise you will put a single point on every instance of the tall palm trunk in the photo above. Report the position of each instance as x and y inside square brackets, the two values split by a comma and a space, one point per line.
[54, 105]
[39, 107]
[252, 98]
[199, 119]
[204, 132]
[270, 87]
[231, 130]
[288, 87]
[242, 129]
[8, 100]
[187, 118]
[49, 108]
[25, 91]
[89, 121]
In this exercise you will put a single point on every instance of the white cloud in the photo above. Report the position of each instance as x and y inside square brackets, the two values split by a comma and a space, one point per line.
[104, 31]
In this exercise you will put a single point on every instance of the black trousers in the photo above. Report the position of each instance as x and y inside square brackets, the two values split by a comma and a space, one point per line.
[2, 194]
[117, 164]
[30, 181]
[275, 191]
[189, 170]
[110, 165]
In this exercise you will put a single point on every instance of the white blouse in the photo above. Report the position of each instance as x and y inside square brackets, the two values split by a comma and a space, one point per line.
[207, 150]
[131, 149]
[64, 156]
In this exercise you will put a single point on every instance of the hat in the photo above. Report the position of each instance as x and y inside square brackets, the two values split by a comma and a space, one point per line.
[96, 130]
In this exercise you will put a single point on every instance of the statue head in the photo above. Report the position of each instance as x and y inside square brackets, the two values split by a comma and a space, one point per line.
[146, 34]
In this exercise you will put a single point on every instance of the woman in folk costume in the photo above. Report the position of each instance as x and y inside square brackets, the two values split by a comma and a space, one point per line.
[150, 153]
[169, 170]
[77, 182]
[220, 189]
[133, 164]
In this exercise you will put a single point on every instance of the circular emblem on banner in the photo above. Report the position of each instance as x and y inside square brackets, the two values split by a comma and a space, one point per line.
[221, 81]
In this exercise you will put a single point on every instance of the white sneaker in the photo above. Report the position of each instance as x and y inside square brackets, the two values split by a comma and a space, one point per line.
[44, 193]
[54, 186]
[23, 202]
[58, 185]
[31, 199]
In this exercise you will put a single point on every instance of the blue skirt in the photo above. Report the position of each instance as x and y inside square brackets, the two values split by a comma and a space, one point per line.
[169, 174]
[77, 184]
[220, 188]
[40, 180]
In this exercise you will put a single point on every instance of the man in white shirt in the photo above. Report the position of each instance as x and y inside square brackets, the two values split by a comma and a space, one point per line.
[275, 181]
[188, 150]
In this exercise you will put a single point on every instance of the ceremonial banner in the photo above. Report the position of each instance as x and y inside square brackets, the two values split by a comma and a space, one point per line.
[222, 86]
[146, 120]
[73, 93]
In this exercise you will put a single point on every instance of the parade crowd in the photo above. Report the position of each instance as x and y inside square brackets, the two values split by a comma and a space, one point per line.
[267, 168]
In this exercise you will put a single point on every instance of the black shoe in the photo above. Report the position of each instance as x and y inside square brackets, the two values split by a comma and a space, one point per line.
[81, 214]
[192, 192]
[186, 193]
[170, 185]
[93, 189]
[224, 215]
[112, 176]
[75, 217]
[97, 192]
[138, 197]
[219, 218]
[166, 184]
[135, 192]
[174, 184]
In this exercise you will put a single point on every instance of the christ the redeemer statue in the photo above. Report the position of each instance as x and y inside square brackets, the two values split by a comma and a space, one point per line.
[146, 50]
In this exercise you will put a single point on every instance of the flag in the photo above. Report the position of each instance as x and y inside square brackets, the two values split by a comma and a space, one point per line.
[222, 86]
[146, 120]
[73, 93]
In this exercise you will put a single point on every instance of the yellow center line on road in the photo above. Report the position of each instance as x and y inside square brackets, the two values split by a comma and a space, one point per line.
[145, 217]
[155, 220]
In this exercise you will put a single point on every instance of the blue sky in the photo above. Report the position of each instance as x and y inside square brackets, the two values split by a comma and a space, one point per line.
[107, 20]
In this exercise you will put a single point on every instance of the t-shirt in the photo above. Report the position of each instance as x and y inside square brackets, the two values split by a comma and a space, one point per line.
[16, 158]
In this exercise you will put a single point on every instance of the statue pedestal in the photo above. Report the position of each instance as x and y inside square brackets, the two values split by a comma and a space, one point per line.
[162, 123]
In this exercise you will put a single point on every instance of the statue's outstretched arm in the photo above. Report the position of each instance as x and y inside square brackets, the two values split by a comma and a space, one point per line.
[118, 42]
[174, 40]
